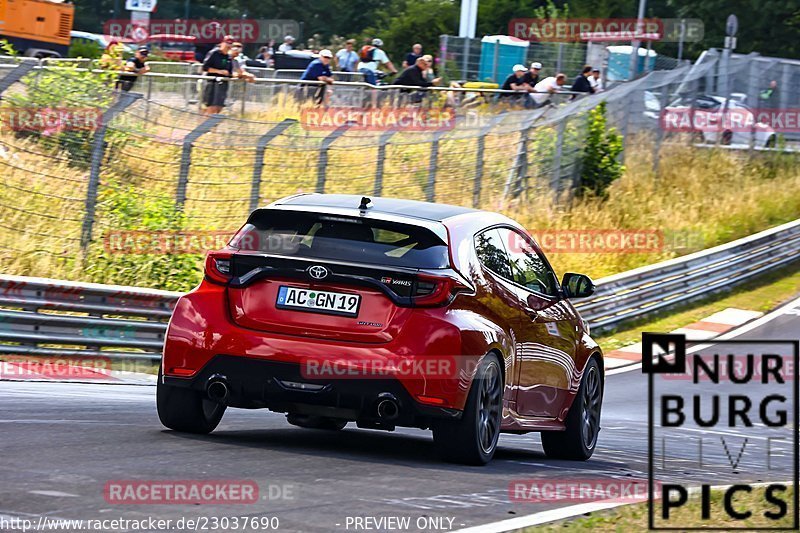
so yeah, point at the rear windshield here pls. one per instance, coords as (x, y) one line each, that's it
(319, 236)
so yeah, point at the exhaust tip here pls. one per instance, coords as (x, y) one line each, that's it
(388, 406)
(217, 389)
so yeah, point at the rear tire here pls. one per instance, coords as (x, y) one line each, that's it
(316, 422)
(473, 439)
(578, 441)
(187, 410)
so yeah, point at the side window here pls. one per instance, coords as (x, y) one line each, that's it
(528, 268)
(492, 252)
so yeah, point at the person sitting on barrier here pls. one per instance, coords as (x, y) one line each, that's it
(414, 76)
(347, 58)
(319, 70)
(372, 59)
(516, 82)
(134, 68)
(218, 64)
(547, 87)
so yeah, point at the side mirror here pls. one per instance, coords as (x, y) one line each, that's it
(577, 285)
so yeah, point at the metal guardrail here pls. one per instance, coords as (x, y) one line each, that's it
(43, 317)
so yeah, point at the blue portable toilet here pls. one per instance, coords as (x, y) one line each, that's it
(509, 51)
(619, 62)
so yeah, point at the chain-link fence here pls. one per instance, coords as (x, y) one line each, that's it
(62, 195)
(64, 192)
(464, 58)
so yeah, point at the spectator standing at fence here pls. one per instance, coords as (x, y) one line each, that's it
(319, 70)
(429, 74)
(415, 76)
(516, 82)
(372, 58)
(239, 63)
(287, 45)
(217, 64)
(347, 58)
(412, 56)
(768, 96)
(594, 79)
(547, 87)
(581, 83)
(532, 76)
(133, 68)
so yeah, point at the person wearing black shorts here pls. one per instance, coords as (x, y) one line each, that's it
(217, 64)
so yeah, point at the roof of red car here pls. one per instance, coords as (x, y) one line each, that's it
(393, 206)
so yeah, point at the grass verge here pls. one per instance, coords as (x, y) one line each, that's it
(634, 517)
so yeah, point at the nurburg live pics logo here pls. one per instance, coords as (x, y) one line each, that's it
(735, 416)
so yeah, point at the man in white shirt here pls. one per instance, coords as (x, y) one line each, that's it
(542, 90)
(347, 58)
(595, 81)
(370, 66)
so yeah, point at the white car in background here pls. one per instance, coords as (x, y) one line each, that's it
(731, 123)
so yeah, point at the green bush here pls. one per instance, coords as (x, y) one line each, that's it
(122, 208)
(600, 165)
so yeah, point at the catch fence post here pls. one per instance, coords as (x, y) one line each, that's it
(258, 165)
(479, 162)
(556, 176)
(381, 161)
(433, 163)
(186, 156)
(98, 148)
(322, 165)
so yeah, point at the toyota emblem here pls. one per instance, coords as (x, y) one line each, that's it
(317, 272)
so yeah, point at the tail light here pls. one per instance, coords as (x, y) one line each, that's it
(219, 267)
(435, 291)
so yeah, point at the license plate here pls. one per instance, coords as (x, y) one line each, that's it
(336, 303)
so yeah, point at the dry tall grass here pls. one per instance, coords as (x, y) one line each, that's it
(699, 199)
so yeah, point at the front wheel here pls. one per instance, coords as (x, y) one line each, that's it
(184, 409)
(577, 442)
(473, 439)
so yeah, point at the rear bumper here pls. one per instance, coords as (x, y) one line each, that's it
(282, 387)
(203, 340)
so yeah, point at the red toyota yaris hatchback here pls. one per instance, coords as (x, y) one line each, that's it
(387, 312)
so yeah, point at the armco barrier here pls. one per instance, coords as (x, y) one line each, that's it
(50, 317)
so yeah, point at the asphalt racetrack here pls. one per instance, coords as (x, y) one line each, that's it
(63, 442)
